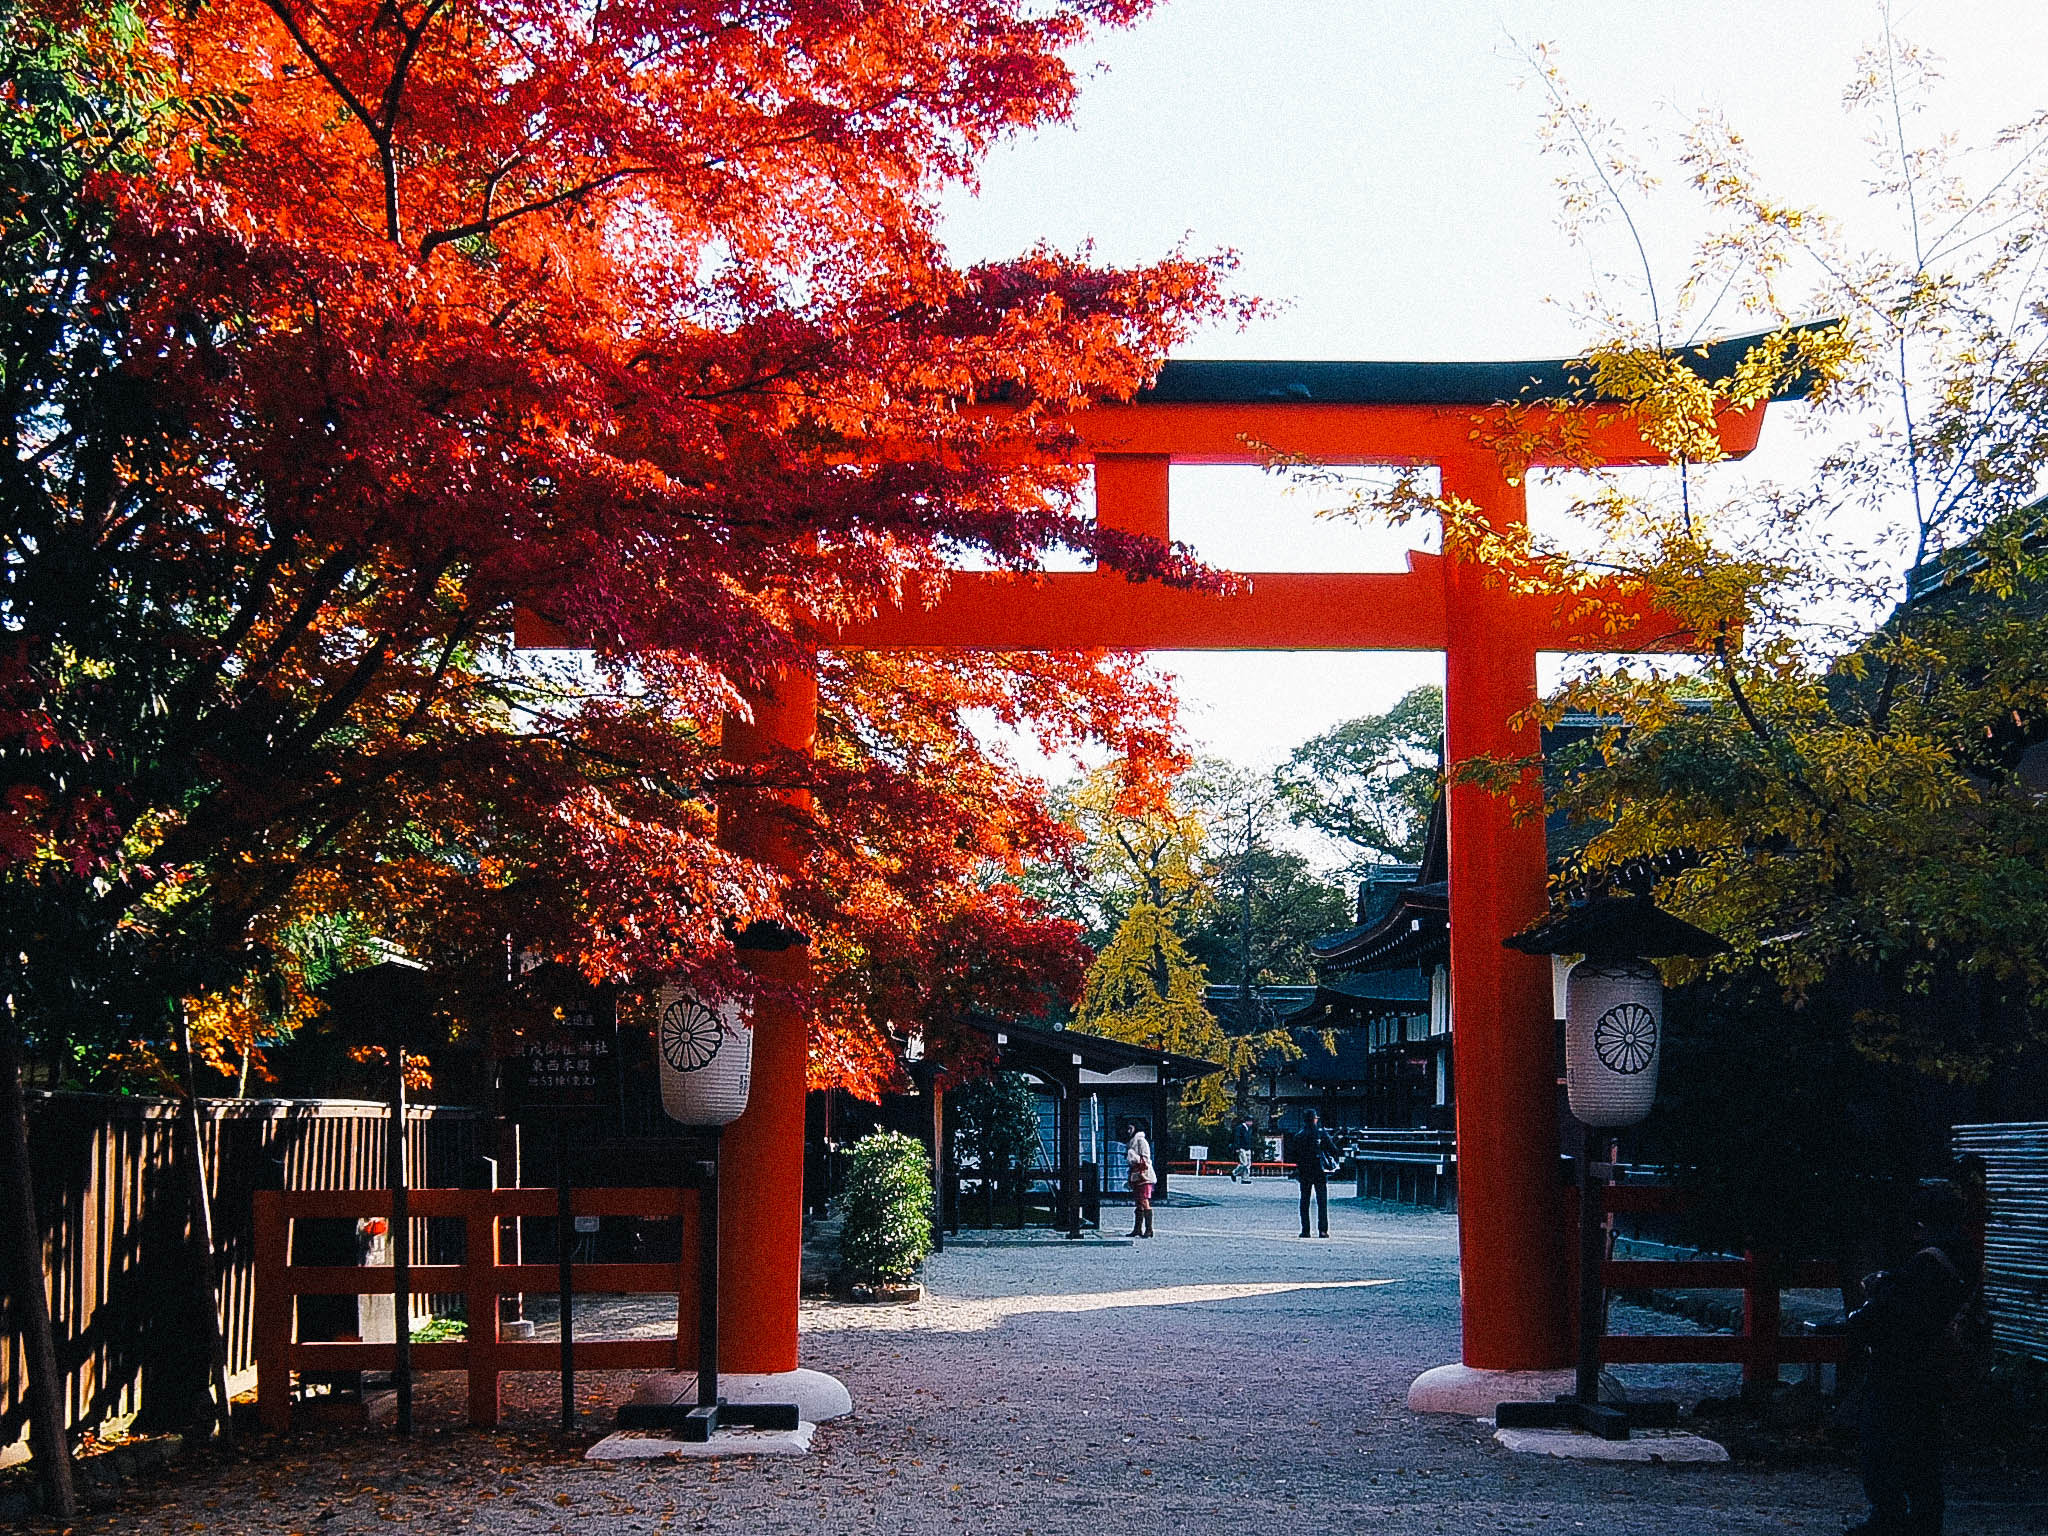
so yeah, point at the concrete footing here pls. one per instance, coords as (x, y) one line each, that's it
(1476, 1393)
(817, 1397)
(655, 1444)
(1644, 1445)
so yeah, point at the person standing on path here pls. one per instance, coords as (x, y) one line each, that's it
(1242, 1138)
(1906, 1325)
(1138, 1159)
(1313, 1151)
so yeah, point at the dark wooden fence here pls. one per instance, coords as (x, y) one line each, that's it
(115, 1220)
(1414, 1167)
(1029, 1198)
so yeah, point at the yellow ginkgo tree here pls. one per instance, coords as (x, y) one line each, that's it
(1147, 868)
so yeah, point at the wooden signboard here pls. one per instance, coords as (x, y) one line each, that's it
(564, 1062)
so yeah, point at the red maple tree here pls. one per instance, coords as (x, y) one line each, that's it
(636, 316)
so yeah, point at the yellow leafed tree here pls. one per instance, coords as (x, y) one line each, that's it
(1147, 989)
(1149, 874)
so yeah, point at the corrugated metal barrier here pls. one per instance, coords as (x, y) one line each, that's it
(2015, 1230)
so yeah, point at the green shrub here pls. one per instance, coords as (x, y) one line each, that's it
(888, 1205)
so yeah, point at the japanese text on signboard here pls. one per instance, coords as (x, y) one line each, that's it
(569, 1064)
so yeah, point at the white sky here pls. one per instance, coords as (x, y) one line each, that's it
(1374, 164)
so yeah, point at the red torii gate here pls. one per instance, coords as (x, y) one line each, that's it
(1410, 414)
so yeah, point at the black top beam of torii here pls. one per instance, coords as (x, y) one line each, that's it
(1258, 381)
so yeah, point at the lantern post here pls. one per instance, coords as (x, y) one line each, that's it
(1613, 1030)
(706, 1051)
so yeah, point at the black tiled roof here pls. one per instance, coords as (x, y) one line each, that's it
(1025, 1045)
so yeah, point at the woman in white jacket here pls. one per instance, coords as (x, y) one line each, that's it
(1141, 1178)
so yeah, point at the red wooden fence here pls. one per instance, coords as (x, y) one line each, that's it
(1759, 1349)
(480, 1279)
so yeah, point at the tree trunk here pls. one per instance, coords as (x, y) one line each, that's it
(206, 1268)
(49, 1435)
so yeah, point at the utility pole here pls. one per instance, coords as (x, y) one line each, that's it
(1244, 933)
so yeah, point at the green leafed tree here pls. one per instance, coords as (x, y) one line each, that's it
(1368, 783)
(1845, 782)
(1272, 904)
(1268, 905)
(995, 1122)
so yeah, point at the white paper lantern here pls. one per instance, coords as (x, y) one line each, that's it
(707, 1057)
(1613, 1038)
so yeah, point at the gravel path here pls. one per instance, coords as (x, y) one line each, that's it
(1226, 1373)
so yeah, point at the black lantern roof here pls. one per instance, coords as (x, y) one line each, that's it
(1614, 927)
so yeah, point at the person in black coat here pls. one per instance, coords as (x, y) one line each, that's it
(1904, 1327)
(1307, 1150)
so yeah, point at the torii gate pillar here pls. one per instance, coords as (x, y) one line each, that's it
(1510, 1206)
(761, 1186)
